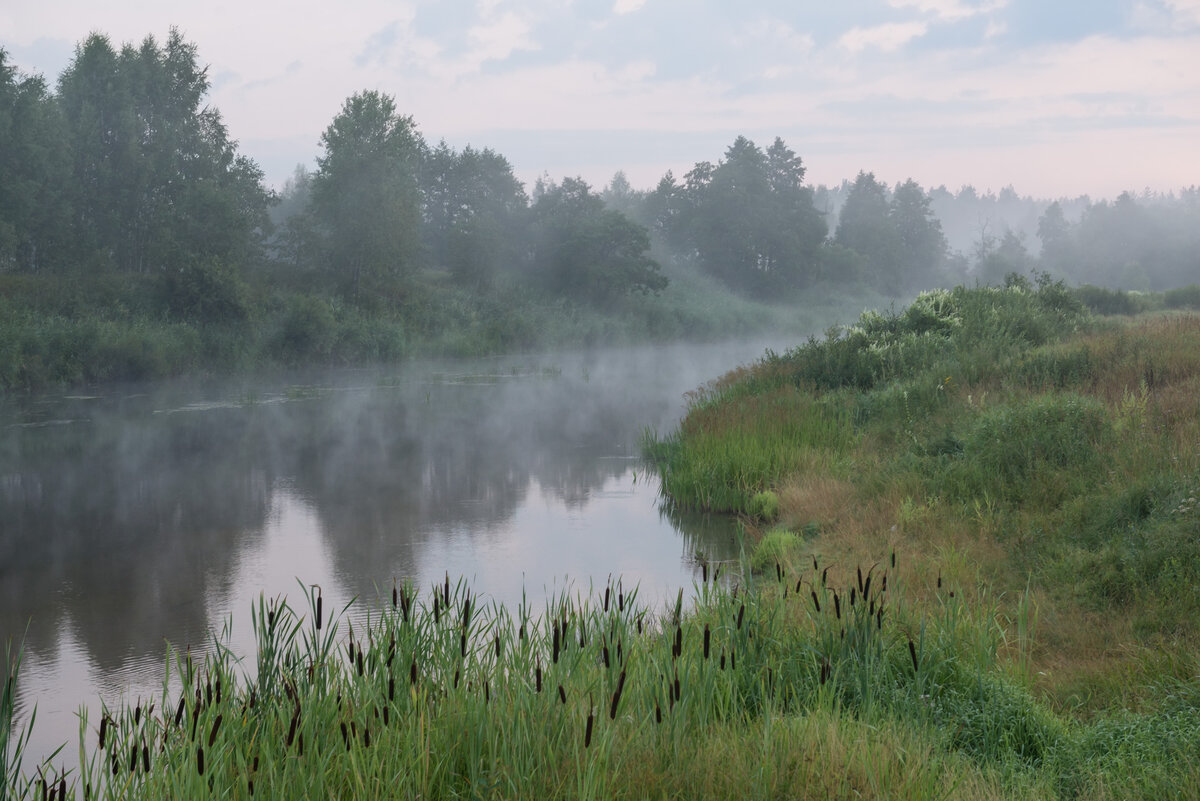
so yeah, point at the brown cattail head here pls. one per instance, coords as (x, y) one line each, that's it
(104, 729)
(837, 605)
(612, 712)
(816, 603)
(538, 674)
(562, 694)
(912, 652)
(212, 734)
(707, 638)
(587, 733)
(741, 614)
(200, 760)
(394, 598)
(318, 609)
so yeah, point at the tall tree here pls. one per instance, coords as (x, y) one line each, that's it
(582, 249)
(33, 174)
(365, 195)
(919, 241)
(474, 212)
(157, 180)
(865, 226)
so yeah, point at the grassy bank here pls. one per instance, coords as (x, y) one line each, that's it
(1015, 445)
(57, 331)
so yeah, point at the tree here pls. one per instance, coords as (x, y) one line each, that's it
(750, 219)
(587, 251)
(33, 175)
(474, 212)
(156, 179)
(920, 245)
(865, 226)
(365, 196)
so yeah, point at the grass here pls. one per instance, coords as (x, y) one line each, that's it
(1021, 448)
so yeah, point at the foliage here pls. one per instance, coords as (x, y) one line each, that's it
(365, 195)
(583, 250)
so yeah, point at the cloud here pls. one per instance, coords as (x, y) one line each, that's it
(949, 9)
(887, 37)
(627, 6)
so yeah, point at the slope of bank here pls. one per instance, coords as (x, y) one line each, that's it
(1040, 460)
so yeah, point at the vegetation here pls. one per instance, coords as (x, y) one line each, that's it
(976, 574)
(1023, 452)
(136, 242)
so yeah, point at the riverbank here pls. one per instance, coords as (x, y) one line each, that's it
(63, 332)
(1039, 460)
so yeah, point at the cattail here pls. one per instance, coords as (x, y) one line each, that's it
(604, 651)
(133, 755)
(824, 575)
(366, 736)
(345, 736)
(799, 583)
(538, 675)
(741, 614)
(587, 732)
(837, 605)
(883, 585)
(497, 647)
(814, 564)
(704, 572)
(612, 712)
(852, 596)
(218, 692)
(716, 573)
(466, 621)
(291, 735)
(879, 619)
(607, 590)
(733, 657)
(562, 694)
(115, 766)
(300, 744)
(104, 728)
(62, 787)
(391, 688)
(183, 699)
(208, 690)
(893, 560)
(678, 640)
(200, 760)
(816, 603)
(385, 715)
(707, 638)
(359, 661)
(554, 657)
(657, 713)
(621, 601)
(137, 714)
(447, 589)
(778, 572)
(912, 651)
(212, 735)
(676, 685)
(412, 672)
(462, 644)
(860, 579)
(318, 609)
(437, 614)
(456, 678)
(521, 632)
(867, 586)
(722, 659)
(394, 598)
(487, 693)
(195, 721)
(939, 580)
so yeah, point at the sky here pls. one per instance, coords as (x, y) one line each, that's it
(1056, 98)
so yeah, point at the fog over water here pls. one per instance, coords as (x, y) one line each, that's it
(141, 515)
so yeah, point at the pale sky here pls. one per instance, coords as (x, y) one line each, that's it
(1056, 98)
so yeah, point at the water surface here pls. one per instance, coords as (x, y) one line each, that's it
(136, 516)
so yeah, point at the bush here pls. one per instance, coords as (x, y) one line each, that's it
(764, 506)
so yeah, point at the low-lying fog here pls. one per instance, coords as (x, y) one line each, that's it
(151, 514)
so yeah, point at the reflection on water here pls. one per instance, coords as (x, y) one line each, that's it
(140, 516)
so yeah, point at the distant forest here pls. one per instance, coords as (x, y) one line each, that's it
(125, 205)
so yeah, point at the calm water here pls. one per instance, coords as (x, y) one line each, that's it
(142, 515)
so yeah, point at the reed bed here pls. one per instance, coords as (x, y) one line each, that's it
(439, 695)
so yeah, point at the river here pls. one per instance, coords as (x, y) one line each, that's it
(134, 516)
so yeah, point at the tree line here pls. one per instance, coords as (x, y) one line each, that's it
(122, 169)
